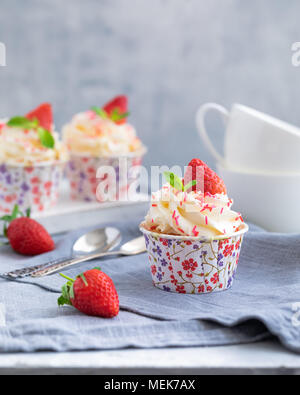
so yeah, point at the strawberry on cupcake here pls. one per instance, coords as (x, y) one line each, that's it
(193, 236)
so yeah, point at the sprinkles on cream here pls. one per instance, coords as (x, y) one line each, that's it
(89, 134)
(192, 214)
(23, 147)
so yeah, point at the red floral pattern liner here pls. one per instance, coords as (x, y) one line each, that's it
(193, 267)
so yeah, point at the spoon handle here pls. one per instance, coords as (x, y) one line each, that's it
(57, 266)
(28, 271)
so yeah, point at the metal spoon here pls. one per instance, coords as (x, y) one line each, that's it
(134, 247)
(88, 245)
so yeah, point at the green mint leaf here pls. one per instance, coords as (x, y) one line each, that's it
(99, 111)
(124, 115)
(46, 138)
(117, 116)
(22, 122)
(174, 181)
(190, 185)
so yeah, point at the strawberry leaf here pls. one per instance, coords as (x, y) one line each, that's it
(67, 291)
(64, 298)
(7, 219)
(15, 212)
(83, 279)
(61, 301)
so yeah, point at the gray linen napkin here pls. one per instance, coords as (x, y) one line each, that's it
(264, 301)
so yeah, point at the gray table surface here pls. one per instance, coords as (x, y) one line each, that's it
(262, 358)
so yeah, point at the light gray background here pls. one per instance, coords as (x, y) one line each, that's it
(169, 56)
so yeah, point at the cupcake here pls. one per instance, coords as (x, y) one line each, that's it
(192, 236)
(32, 159)
(101, 138)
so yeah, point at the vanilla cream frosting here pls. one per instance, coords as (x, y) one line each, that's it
(89, 134)
(191, 214)
(23, 147)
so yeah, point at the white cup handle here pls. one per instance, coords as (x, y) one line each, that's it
(200, 122)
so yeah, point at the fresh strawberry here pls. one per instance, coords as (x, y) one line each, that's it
(207, 180)
(44, 115)
(25, 235)
(92, 293)
(117, 106)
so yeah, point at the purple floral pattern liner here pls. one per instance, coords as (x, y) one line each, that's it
(82, 173)
(34, 187)
(193, 266)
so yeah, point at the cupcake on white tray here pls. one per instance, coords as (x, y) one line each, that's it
(98, 138)
(193, 237)
(32, 160)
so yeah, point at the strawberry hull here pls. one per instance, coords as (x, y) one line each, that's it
(35, 187)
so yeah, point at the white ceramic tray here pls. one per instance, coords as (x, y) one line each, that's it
(68, 206)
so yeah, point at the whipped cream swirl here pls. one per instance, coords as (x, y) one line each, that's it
(23, 147)
(192, 214)
(89, 134)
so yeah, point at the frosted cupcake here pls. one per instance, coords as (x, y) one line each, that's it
(32, 159)
(98, 138)
(192, 235)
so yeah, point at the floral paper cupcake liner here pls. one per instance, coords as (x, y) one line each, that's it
(82, 174)
(193, 266)
(35, 187)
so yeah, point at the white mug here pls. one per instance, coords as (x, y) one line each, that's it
(254, 142)
(268, 200)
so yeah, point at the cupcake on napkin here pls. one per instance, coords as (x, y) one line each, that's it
(192, 235)
(97, 138)
(32, 159)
